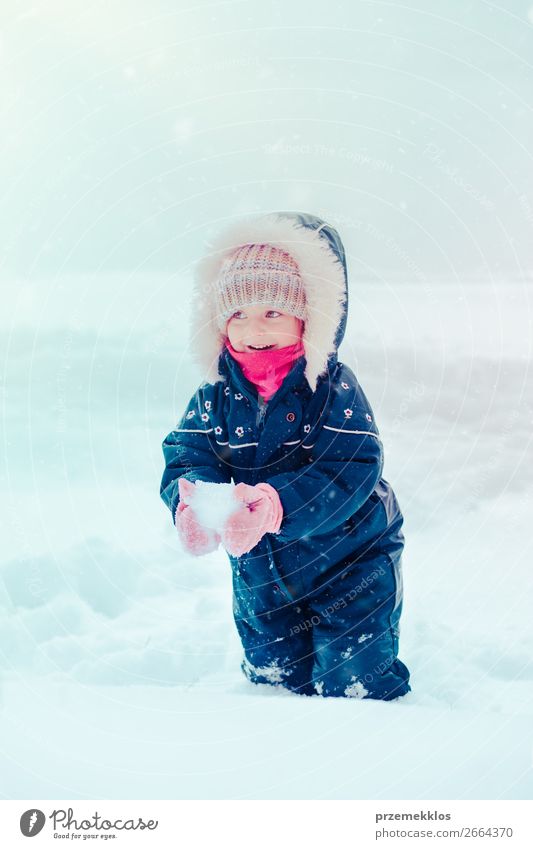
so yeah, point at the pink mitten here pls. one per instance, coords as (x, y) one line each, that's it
(261, 512)
(194, 538)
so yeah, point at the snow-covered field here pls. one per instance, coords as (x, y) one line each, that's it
(119, 661)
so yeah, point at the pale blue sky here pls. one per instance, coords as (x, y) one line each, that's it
(130, 131)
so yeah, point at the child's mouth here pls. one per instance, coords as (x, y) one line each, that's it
(260, 347)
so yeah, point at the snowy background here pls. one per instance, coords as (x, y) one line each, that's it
(127, 139)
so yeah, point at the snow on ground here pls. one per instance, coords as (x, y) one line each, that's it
(119, 661)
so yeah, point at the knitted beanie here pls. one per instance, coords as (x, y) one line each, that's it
(258, 274)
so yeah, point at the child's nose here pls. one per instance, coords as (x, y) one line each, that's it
(258, 325)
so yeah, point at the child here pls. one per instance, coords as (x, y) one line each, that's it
(316, 547)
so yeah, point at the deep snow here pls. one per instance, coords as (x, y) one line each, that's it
(119, 659)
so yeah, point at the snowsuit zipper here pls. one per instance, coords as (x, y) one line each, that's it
(259, 422)
(260, 418)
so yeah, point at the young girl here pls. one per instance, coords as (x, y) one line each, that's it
(316, 546)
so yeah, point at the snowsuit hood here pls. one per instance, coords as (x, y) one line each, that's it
(317, 248)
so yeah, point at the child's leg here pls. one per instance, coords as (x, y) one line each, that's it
(355, 638)
(278, 648)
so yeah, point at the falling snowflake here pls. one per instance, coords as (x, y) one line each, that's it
(348, 653)
(183, 129)
(319, 687)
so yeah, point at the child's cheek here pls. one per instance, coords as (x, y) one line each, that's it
(233, 335)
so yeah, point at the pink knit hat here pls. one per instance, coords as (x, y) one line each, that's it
(259, 274)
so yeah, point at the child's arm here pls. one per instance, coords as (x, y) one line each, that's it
(191, 452)
(346, 464)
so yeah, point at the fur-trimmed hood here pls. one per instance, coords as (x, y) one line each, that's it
(317, 248)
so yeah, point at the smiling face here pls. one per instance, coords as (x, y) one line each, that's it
(262, 327)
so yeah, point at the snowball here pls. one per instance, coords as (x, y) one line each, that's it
(213, 503)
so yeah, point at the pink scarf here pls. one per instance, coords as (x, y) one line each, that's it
(267, 369)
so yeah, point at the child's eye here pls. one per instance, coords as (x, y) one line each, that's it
(274, 312)
(237, 314)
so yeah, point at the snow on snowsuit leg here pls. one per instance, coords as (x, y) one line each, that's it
(341, 641)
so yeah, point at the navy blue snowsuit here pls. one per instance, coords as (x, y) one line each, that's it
(317, 606)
